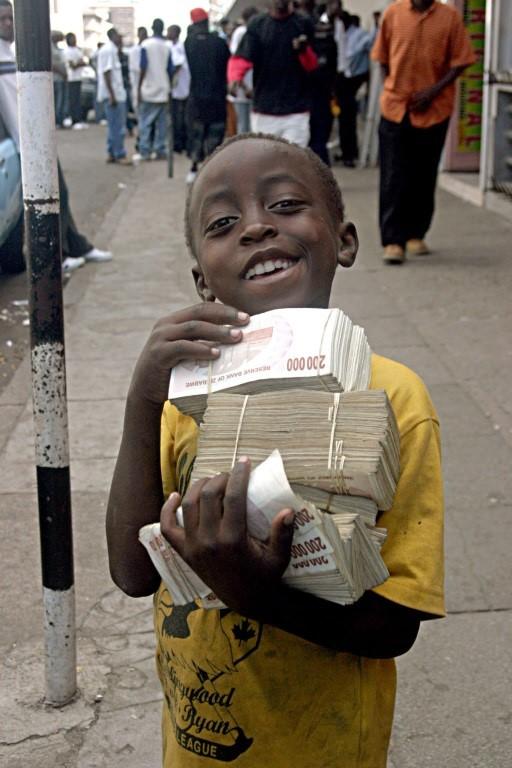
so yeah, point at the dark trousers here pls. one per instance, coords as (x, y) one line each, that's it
(346, 90)
(204, 138)
(73, 243)
(75, 108)
(320, 124)
(409, 159)
(60, 92)
(179, 124)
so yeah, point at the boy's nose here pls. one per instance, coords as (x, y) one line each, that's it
(256, 232)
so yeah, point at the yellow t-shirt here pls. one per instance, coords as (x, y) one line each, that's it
(239, 691)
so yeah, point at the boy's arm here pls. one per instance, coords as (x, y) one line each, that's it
(246, 574)
(136, 493)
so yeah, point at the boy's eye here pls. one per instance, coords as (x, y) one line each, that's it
(287, 204)
(218, 224)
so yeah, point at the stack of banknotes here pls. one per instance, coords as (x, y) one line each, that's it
(343, 443)
(313, 349)
(334, 556)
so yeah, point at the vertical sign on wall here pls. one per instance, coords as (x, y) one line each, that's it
(463, 146)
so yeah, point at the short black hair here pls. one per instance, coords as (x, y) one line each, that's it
(249, 12)
(329, 184)
(158, 26)
(112, 32)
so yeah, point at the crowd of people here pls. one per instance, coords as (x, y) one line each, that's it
(221, 82)
(292, 71)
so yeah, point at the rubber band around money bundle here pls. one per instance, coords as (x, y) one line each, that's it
(239, 429)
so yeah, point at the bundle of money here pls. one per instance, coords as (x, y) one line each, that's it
(342, 443)
(318, 349)
(335, 557)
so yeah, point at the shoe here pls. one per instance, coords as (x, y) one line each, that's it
(138, 158)
(190, 177)
(103, 122)
(123, 161)
(417, 247)
(79, 127)
(160, 157)
(110, 159)
(349, 163)
(71, 263)
(393, 254)
(96, 255)
(67, 122)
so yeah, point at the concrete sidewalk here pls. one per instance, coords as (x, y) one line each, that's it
(448, 316)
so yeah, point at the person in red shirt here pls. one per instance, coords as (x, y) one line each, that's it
(423, 47)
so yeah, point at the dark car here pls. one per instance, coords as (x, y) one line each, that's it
(12, 259)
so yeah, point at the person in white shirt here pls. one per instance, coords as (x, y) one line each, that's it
(74, 63)
(242, 94)
(156, 71)
(76, 249)
(112, 93)
(134, 64)
(180, 88)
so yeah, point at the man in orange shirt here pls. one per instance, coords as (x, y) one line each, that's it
(423, 47)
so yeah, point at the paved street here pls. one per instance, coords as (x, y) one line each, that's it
(448, 316)
(93, 188)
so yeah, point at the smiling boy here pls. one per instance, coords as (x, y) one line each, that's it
(280, 676)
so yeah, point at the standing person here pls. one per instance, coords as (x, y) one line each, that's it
(180, 88)
(60, 77)
(134, 64)
(156, 70)
(207, 56)
(278, 45)
(335, 15)
(125, 71)
(323, 82)
(75, 63)
(76, 248)
(279, 677)
(423, 47)
(112, 93)
(357, 50)
(241, 95)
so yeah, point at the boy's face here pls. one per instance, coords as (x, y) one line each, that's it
(264, 235)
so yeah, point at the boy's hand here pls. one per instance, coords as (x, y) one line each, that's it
(190, 334)
(239, 569)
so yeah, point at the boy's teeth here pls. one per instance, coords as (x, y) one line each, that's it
(267, 267)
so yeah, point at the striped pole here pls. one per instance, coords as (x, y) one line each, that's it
(42, 223)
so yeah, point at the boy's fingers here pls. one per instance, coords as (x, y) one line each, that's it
(169, 525)
(235, 500)
(211, 506)
(190, 506)
(211, 312)
(281, 535)
(200, 329)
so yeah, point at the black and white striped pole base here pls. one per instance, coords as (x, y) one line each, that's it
(41, 198)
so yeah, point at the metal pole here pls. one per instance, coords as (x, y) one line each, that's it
(170, 141)
(42, 223)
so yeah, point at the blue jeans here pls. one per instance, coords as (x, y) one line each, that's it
(153, 114)
(60, 92)
(116, 119)
(243, 116)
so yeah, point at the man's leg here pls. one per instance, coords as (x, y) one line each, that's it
(146, 117)
(75, 109)
(58, 92)
(161, 126)
(214, 136)
(393, 182)
(177, 126)
(119, 130)
(74, 244)
(109, 114)
(320, 125)
(426, 146)
(296, 128)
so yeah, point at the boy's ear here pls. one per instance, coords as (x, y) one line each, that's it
(349, 244)
(202, 289)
